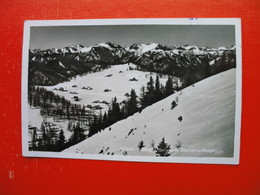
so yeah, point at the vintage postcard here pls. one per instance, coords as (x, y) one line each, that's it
(148, 90)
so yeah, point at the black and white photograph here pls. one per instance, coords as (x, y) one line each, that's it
(148, 90)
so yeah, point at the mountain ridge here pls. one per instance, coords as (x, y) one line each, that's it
(181, 61)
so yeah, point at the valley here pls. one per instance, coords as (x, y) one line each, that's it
(96, 90)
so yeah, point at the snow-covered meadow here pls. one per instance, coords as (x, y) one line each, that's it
(95, 88)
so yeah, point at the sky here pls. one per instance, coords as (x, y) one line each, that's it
(125, 35)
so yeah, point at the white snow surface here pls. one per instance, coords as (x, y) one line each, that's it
(191, 47)
(222, 48)
(144, 47)
(118, 83)
(104, 45)
(85, 49)
(148, 47)
(207, 128)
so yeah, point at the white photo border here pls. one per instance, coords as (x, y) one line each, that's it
(105, 22)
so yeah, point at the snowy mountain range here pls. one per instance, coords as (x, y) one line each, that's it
(52, 66)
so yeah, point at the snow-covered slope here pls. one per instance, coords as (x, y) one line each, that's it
(85, 49)
(142, 48)
(201, 125)
(104, 45)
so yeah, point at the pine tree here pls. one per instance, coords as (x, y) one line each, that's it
(93, 127)
(78, 134)
(68, 110)
(109, 115)
(168, 87)
(45, 136)
(114, 113)
(150, 91)
(61, 141)
(174, 104)
(122, 112)
(105, 120)
(132, 104)
(157, 83)
(150, 87)
(100, 122)
(158, 95)
(143, 97)
(163, 149)
(141, 145)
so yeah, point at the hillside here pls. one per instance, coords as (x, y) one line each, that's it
(202, 124)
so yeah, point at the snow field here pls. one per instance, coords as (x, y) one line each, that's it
(118, 83)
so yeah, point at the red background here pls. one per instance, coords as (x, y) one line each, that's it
(19, 175)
